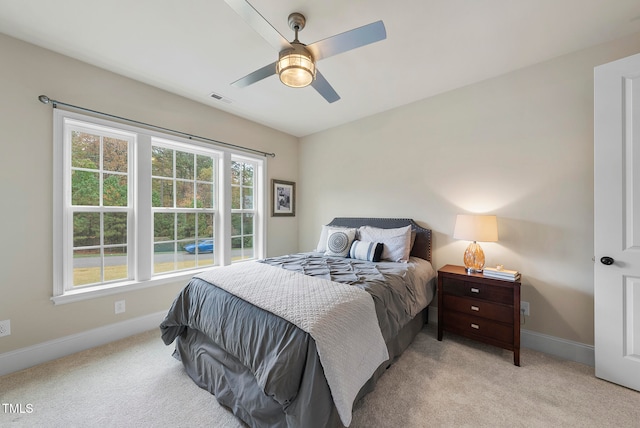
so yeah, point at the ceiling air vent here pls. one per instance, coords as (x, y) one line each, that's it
(219, 98)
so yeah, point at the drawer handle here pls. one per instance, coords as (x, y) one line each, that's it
(475, 308)
(476, 326)
(475, 290)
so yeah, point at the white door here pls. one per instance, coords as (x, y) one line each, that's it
(617, 221)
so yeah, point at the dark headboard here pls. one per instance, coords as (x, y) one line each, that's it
(422, 245)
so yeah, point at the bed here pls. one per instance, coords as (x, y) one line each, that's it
(270, 365)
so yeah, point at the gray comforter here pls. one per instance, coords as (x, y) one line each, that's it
(266, 369)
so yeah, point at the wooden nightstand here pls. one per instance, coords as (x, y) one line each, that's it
(480, 308)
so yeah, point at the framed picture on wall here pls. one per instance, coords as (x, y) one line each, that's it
(284, 198)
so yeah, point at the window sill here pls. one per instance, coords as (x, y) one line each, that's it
(121, 287)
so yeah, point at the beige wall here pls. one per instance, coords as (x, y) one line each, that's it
(519, 146)
(26, 171)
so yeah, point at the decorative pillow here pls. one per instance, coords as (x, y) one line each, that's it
(322, 242)
(363, 250)
(397, 242)
(339, 241)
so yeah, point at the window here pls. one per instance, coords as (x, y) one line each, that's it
(135, 208)
(183, 200)
(99, 203)
(243, 211)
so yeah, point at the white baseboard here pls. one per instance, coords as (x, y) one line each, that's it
(563, 348)
(37, 354)
(23, 358)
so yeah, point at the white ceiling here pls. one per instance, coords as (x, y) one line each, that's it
(196, 47)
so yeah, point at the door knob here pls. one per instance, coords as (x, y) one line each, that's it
(606, 260)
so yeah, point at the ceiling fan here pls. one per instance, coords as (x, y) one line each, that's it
(296, 64)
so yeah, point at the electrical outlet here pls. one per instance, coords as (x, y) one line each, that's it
(524, 308)
(120, 306)
(5, 328)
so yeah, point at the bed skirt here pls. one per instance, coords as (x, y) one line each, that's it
(235, 387)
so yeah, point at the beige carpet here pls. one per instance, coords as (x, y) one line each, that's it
(136, 383)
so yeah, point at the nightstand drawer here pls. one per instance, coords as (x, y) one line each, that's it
(480, 308)
(465, 324)
(478, 290)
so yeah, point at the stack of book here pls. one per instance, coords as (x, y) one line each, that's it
(507, 275)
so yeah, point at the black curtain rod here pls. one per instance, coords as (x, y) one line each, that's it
(46, 100)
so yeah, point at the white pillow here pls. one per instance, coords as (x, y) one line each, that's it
(322, 242)
(397, 242)
(339, 241)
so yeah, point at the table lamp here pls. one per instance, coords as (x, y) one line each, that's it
(475, 228)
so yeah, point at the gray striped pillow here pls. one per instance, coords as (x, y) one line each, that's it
(363, 250)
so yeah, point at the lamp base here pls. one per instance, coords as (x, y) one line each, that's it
(474, 258)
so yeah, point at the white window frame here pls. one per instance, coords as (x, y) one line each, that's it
(140, 232)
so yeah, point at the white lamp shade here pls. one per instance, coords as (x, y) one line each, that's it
(483, 228)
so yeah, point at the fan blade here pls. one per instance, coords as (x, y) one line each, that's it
(256, 76)
(259, 24)
(323, 87)
(348, 40)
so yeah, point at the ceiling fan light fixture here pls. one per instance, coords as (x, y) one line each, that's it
(296, 67)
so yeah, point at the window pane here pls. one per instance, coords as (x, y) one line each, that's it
(85, 188)
(247, 224)
(205, 259)
(236, 224)
(247, 247)
(162, 193)
(184, 194)
(163, 257)
(236, 171)
(86, 267)
(186, 261)
(115, 264)
(205, 225)
(162, 162)
(236, 243)
(186, 223)
(115, 155)
(235, 198)
(204, 168)
(115, 228)
(204, 197)
(114, 190)
(85, 150)
(86, 229)
(163, 227)
(185, 165)
(247, 175)
(247, 198)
